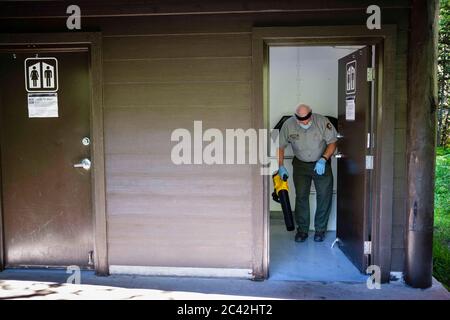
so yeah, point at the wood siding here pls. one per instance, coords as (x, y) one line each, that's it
(164, 72)
(189, 215)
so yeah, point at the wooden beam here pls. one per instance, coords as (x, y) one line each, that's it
(421, 140)
(55, 9)
(98, 157)
(2, 248)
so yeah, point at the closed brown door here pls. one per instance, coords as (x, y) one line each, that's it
(46, 200)
(353, 221)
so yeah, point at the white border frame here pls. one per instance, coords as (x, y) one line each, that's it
(56, 72)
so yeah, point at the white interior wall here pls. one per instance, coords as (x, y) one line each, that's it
(304, 75)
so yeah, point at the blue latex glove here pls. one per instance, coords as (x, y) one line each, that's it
(320, 166)
(282, 172)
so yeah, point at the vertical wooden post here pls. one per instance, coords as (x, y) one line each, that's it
(421, 141)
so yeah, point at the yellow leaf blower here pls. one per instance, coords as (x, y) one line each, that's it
(281, 195)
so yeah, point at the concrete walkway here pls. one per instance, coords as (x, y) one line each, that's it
(46, 284)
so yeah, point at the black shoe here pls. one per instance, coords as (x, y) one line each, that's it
(319, 236)
(301, 236)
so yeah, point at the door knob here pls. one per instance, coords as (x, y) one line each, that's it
(85, 164)
(339, 155)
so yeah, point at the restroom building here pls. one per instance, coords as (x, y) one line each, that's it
(86, 117)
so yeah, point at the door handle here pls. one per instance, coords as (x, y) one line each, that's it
(338, 155)
(85, 164)
(339, 136)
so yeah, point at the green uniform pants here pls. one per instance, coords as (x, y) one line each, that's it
(303, 175)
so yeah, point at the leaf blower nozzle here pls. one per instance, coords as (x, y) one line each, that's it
(281, 195)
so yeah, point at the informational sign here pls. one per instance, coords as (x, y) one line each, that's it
(350, 109)
(43, 105)
(41, 74)
(351, 77)
(41, 82)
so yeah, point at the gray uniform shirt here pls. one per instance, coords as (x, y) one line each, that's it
(308, 144)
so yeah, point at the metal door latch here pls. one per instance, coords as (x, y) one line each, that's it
(367, 247)
(369, 162)
(85, 164)
(86, 141)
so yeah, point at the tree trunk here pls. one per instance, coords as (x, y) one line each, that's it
(421, 142)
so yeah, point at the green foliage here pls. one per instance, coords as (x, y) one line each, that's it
(440, 151)
(443, 111)
(442, 185)
(441, 243)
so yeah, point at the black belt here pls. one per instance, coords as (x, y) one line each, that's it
(309, 162)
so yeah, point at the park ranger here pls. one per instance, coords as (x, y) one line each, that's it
(313, 140)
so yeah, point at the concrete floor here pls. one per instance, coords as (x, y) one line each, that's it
(308, 261)
(51, 284)
(293, 267)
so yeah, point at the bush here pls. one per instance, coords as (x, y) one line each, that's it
(441, 243)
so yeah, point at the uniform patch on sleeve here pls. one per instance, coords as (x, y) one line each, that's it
(329, 126)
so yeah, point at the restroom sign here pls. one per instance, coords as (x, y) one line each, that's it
(41, 74)
(351, 77)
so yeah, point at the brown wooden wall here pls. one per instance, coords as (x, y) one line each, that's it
(190, 216)
(164, 72)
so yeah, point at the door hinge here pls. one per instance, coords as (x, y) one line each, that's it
(91, 258)
(369, 162)
(370, 74)
(367, 247)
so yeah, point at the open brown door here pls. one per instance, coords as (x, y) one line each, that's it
(354, 160)
(46, 199)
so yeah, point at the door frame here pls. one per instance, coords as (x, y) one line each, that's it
(92, 41)
(383, 177)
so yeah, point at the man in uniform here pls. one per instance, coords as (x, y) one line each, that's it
(313, 140)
